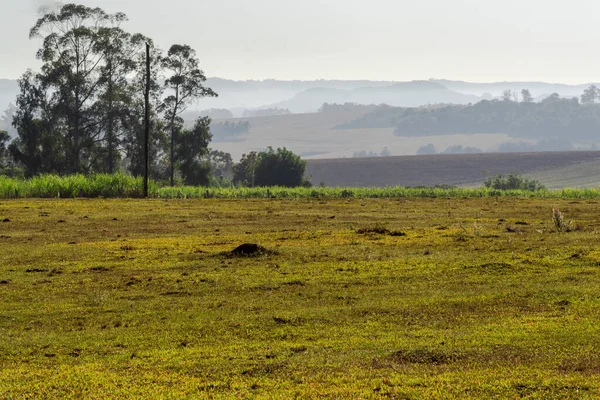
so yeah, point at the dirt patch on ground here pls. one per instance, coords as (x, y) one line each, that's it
(586, 364)
(378, 230)
(497, 267)
(250, 250)
(423, 356)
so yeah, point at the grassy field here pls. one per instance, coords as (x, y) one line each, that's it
(353, 298)
(317, 135)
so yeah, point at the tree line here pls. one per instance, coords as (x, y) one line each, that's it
(516, 114)
(553, 117)
(83, 111)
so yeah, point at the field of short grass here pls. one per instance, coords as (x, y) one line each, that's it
(354, 298)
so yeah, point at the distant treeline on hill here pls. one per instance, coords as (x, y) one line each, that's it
(269, 112)
(553, 117)
(229, 131)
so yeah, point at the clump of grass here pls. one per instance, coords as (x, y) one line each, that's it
(461, 236)
(560, 223)
(464, 234)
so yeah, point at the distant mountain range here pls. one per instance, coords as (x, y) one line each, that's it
(309, 96)
(405, 94)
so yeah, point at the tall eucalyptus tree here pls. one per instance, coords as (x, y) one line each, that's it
(184, 85)
(84, 110)
(73, 73)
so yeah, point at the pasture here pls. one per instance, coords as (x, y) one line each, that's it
(320, 136)
(353, 298)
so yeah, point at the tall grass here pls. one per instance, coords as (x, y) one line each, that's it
(122, 185)
(53, 186)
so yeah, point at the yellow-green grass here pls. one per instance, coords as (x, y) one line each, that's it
(481, 298)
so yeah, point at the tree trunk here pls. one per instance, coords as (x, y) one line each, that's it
(147, 122)
(76, 139)
(110, 132)
(172, 158)
(173, 116)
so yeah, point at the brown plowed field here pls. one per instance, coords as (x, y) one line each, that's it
(460, 169)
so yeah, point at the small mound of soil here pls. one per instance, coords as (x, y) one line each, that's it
(249, 249)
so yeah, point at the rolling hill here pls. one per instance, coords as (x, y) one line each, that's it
(318, 135)
(554, 169)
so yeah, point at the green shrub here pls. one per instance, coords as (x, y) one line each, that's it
(279, 167)
(512, 182)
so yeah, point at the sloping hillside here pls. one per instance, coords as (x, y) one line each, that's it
(318, 135)
(581, 175)
(463, 169)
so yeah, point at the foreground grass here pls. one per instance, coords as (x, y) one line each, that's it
(128, 298)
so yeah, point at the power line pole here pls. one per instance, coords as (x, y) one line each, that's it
(147, 122)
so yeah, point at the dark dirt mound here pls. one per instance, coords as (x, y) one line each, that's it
(249, 249)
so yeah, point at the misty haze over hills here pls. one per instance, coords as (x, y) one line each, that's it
(8, 92)
(309, 96)
(537, 89)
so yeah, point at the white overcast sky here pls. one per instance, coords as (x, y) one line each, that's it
(475, 40)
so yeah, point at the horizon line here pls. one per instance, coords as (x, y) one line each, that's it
(486, 82)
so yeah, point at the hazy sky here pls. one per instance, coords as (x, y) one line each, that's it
(476, 40)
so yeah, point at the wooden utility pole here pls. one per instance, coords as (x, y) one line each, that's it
(147, 122)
